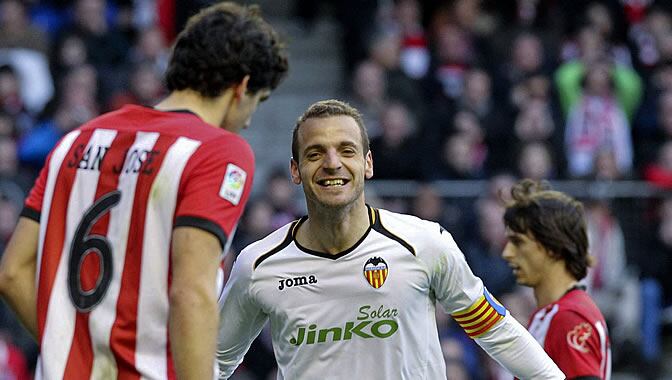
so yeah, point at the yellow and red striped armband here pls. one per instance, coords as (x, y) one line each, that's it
(481, 316)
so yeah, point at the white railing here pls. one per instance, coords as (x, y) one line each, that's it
(476, 188)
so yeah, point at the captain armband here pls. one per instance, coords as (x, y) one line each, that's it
(481, 316)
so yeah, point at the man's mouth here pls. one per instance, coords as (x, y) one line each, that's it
(332, 182)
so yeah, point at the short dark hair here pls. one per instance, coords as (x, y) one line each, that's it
(554, 219)
(220, 46)
(328, 108)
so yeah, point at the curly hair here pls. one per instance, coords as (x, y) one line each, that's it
(220, 46)
(554, 219)
(329, 108)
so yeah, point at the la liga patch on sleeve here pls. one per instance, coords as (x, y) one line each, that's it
(233, 184)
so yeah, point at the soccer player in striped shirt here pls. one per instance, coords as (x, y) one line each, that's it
(548, 250)
(113, 264)
(350, 290)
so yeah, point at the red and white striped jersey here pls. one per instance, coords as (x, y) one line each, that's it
(573, 332)
(107, 200)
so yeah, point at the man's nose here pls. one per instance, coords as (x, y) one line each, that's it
(332, 160)
(507, 253)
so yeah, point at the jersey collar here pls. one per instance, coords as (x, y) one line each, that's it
(338, 255)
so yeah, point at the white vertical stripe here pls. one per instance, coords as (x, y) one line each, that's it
(38, 369)
(103, 316)
(57, 158)
(605, 363)
(150, 354)
(541, 321)
(60, 324)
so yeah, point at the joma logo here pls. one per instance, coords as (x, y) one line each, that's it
(297, 281)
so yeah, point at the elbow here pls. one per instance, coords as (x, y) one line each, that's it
(187, 298)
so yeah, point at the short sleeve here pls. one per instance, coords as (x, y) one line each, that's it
(216, 186)
(574, 344)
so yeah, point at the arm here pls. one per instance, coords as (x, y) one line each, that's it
(242, 319)
(193, 315)
(512, 346)
(463, 295)
(17, 273)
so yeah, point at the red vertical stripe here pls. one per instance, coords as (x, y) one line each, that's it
(123, 335)
(169, 358)
(54, 238)
(80, 360)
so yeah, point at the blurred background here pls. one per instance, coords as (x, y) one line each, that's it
(460, 97)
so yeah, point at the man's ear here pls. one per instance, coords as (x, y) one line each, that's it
(294, 170)
(368, 167)
(241, 88)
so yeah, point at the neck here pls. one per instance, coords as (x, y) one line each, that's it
(332, 230)
(211, 110)
(557, 281)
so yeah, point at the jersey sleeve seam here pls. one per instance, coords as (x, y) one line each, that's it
(31, 213)
(203, 224)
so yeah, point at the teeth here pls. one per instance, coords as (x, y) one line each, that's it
(333, 182)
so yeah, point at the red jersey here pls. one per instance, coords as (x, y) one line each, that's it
(107, 200)
(573, 332)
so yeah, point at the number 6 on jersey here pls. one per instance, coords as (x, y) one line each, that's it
(84, 244)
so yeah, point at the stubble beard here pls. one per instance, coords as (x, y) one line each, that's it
(325, 204)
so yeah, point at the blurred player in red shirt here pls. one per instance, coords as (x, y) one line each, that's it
(114, 262)
(547, 249)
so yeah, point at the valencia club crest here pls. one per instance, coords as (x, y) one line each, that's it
(375, 271)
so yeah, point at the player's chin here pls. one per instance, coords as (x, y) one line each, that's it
(522, 281)
(334, 201)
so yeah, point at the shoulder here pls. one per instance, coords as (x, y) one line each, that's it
(179, 124)
(578, 315)
(219, 143)
(419, 234)
(578, 302)
(256, 253)
(222, 153)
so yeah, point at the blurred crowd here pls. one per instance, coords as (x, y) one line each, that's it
(460, 89)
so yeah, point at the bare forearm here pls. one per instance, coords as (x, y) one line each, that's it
(193, 334)
(194, 313)
(22, 299)
(17, 273)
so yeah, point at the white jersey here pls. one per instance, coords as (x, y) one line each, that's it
(367, 312)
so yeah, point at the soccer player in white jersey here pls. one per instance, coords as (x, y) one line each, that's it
(350, 290)
(113, 264)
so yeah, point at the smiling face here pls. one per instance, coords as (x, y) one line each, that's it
(332, 165)
(527, 258)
